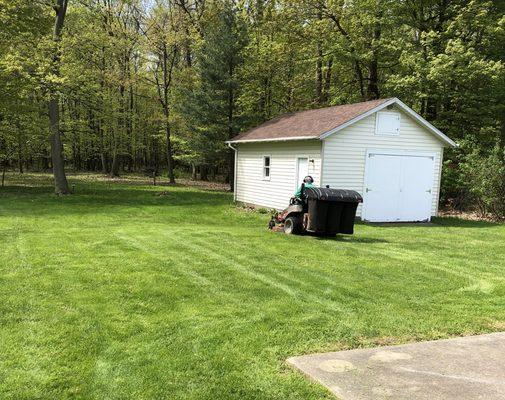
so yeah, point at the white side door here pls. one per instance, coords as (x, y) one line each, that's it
(398, 187)
(302, 170)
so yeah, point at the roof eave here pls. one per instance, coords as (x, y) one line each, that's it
(283, 139)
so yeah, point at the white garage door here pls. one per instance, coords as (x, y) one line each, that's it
(398, 187)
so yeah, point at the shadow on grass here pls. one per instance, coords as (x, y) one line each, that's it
(437, 222)
(99, 197)
(349, 239)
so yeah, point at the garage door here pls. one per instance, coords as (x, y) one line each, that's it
(398, 187)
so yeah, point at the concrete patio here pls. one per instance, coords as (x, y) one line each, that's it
(455, 369)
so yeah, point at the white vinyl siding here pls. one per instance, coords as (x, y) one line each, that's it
(344, 152)
(252, 188)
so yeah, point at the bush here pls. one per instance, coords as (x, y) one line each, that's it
(454, 192)
(484, 179)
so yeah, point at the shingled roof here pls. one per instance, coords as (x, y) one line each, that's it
(309, 123)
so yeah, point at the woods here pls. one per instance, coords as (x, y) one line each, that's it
(158, 86)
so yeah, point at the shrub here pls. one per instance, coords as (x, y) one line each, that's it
(454, 192)
(484, 180)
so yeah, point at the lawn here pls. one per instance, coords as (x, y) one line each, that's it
(119, 292)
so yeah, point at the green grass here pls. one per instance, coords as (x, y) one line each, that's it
(116, 292)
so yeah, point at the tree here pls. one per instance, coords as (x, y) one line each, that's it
(212, 106)
(60, 179)
(132, 83)
(164, 43)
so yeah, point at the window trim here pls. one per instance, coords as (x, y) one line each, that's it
(264, 167)
(396, 113)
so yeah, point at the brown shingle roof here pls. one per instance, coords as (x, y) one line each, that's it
(309, 123)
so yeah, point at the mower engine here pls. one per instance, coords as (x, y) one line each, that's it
(278, 220)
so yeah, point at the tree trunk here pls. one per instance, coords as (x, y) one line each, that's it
(373, 77)
(4, 168)
(20, 163)
(122, 124)
(114, 169)
(103, 158)
(319, 63)
(204, 173)
(373, 67)
(155, 155)
(170, 160)
(20, 149)
(163, 92)
(45, 163)
(502, 131)
(103, 163)
(193, 172)
(60, 179)
(327, 80)
(231, 133)
(319, 74)
(352, 50)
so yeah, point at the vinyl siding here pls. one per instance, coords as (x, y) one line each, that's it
(344, 153)
(250, 187)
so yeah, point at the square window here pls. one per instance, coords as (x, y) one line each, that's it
(387, 123)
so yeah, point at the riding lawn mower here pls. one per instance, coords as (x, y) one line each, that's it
(321, 211)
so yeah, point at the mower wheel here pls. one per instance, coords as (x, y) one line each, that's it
(292, 225)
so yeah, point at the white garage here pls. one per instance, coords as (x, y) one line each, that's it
(380, 148)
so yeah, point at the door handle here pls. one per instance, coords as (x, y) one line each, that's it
(368, 190)
(428, 191)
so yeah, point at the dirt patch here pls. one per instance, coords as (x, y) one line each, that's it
(44, 179)
(466, 215)
(498, 325)
(204, 185)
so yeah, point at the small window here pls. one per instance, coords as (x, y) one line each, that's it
(266, 167)
(387, 123)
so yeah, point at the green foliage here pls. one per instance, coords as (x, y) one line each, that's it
(232, 65)
(210, 107)
(474, 180)
(484, 176)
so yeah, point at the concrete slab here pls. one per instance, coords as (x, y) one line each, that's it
(464, 368)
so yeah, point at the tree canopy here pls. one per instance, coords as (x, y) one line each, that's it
(159, 85)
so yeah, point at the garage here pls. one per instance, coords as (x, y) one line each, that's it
(381, 149)
(398, 186)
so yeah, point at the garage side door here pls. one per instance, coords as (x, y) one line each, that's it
(398, 187)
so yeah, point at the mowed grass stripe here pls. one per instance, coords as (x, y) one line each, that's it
(240, 263)
(180, 262)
